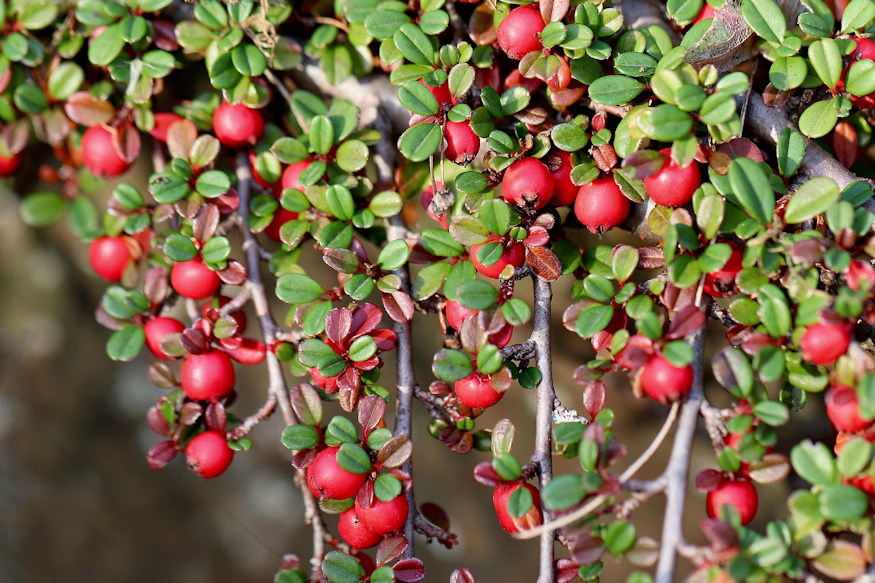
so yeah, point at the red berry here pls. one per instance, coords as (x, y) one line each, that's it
(194, 280)
(156, 329)
(706, 12)
(865, 50)
(292, 173)
(280, 218)
(601, 205)
(207, 377)
(527, 183)
(441, 93)
(721, 283)
(861, 275)
(163, 121)
(664, 382)
(327, 479)
(99, 152)
(208, 454)
(9, 165)
(384, 517)
(327, 384)
(476, 391)
(354, 532)
(824, 343)
(673, 185)
(237, 126)
(514, 253)
(530, 519)
(462, 143)
(564, 191)
(456, 315)
(843, 409)
(517, 33)
(109, 257)
(739, 493)
(516, 79)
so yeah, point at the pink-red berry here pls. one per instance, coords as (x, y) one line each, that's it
(237, 126)
(354, 532)
(109, 257)
(208, 454)
(513, 253)
(733, 492)
(384, 517)
(721, 283)
(476, 391)
(194, 280)
(100, 154)
(564, 190)
(518, 32)
(163, 121)
(527, 183)
(8, 165)
(600, 205)
(664, 382)
(843, 409)
(462, 143)
(673, 185)
(327, 479)
(823, 343)
(532, 518)
(207, 377)
(156, 330)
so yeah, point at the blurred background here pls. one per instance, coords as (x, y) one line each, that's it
(78, 502)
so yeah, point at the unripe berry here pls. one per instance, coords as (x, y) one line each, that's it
(354, 532)
(514, 253)
(517, 33)
(462, 143)
(476, 391)
(527, 183)
(739, 493)
(194, 280)
(109, 257)
(9, 165)
(327, 479)
(384, 517)
(664, 382)
(843, 409)
(601, 205)
(156, 329)
(564, 190)
(673, 185)
(237, 126)
(99, 153)
(721, 283)
(824, 343)
(207, 377)
(208, 454)
(530, 519)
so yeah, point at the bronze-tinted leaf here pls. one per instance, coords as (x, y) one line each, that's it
(216, 416)
(688, 320)
(544, 263)
(157, 422)
(161, 376)
(436, 515)
(194, 341)
(126, 142)
(481, 28)
(338, 324)
(594, 393)
(844, 143)
(370, 412)
(720, 534)
(465, 576)
(306, 404)
(707, 480)
(155, 286)
(205, 223)
(774, 467)
(485, 474)
(843, 561)
(190, 412)
(161, 454)
(390, 549)
(554, 10)
(409, 570)
(395, 452)
(741, 148)
(399, 306)
(87, 110)
(180, 138)
(234, 273)
(651, 257)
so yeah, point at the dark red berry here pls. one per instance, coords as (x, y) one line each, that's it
(207, 377)
(8, 165)
(354, 532)
(517, 33)
(564, 190)
(237, 126)
(208, 454)
(664, 382)
(109, 257)
(194, 280)
(327, 479)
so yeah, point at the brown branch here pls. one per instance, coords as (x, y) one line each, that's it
(250, 422)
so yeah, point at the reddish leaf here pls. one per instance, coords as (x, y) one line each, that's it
(720, 534)
(349, 383)
(234, 274)
(537, 237)
(409, 570)
(14, 136)
(87, 110)
(365, 318)
(544, 263)
(194, 341)
(645, 162)
(651, 258)
(773, 468)
(216, 416)
(161, 454)
(844, 143)
(157, 422)
(594, 397)
(568, 96)
(774, 97)
(843, 561)
(605, 157)
(395, 452)
(586, 548)
(688, 320)
(385, 338)
(302, 459)
(741, 148)
(338, 324)
(707, 480)
(463, 576)
(481, 28)
(485, 474)
(126, 141)
(554, 10)
(306, 404)
(189, 413)
(249, 351)
(390, 549)
(436, 515)
(161, 376)
(370, 412)
(155, 286)
(205, 223)
(399, 306)
(181, 137)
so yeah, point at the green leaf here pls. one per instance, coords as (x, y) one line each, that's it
(321, 134)
(41, 209)
(394, 254)
(624, 261)
(340, 430)
(814, 463)
(765, 18)
(451, 365)
(30, 99)
(417, 98)
(665, 123)
(471, 182)
(752, 188)
(178, 247)
(519, 502)
(818, 119)
(861, 78)
(168, 188)
(414, 44)
(717, 108)
(216, 250)
(858, 15)
(420, 141)
(353, 458)
(593, 319)
(387, 487)
(107, 46)
(65, 80)
(614, 89)
(439, 242)
(429, 279)
(341, 568)
(564, 491)
(772, 413)
(125, 344)
(811, 199)
(619, 537)
(826, 60)
(460, 79)
(299, 437)
(842, 503)
(788, 72)
(213, 183)
(507, 466)
(514, 100)
(297, 288)
(790, 151)
(477, 295)
(569, 137)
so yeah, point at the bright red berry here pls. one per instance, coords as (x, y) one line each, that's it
(706, 12)
(673, 185)
(865, 50)
(527, 183)
(194, 280)
(208, 454)
(476, 391)
(100, 154)
(207, 377)
(735, 492)
(237, 126)
(664, 382)
(292, 173)
(721, 283)
(280, 218)
(9, 165)
(462, 143)
(518, 32)
(824, 343)
(156, 329)
(861, 275)
(384, 517)
(843, 409)
(564, 190)
(441, 93)
(601, 205)
(354, 532)
(530, 519)
(513, 253)
(327, 479)
(163, 121)
(456, 315)
(109, 257)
